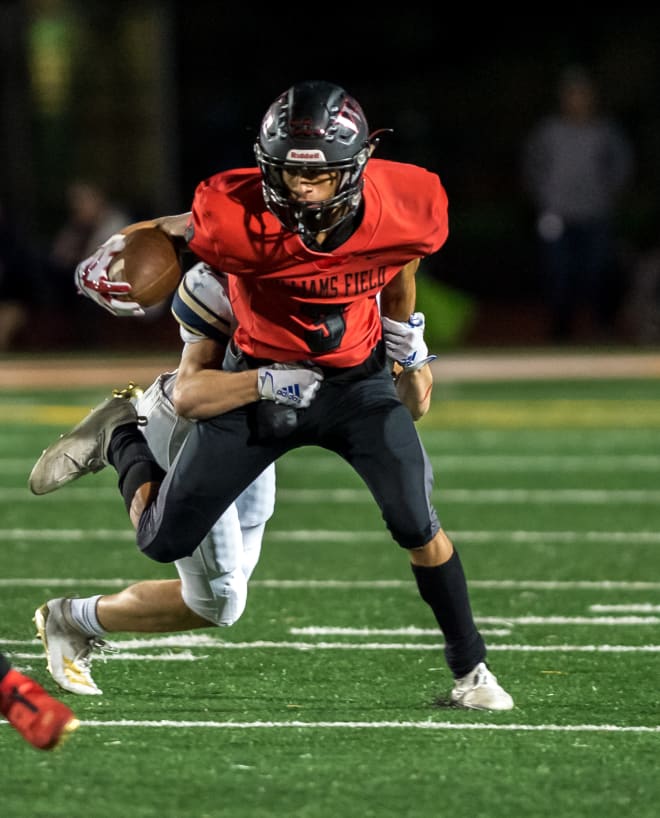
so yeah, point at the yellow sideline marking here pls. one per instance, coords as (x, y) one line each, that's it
(42, 415)
(444, 413)
(543, 413)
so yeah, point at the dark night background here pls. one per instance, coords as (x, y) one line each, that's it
(161, 95)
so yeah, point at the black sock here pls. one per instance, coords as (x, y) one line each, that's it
(131, 457)
(444, 589)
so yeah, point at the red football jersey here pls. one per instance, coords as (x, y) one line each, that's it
(293, 303)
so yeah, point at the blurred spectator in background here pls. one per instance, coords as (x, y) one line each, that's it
(92, 218)
(575, 166)
(23, 284)
(642, 308)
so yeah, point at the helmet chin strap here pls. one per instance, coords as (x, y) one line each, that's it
(309, 236)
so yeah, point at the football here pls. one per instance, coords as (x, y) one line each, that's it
(150, 264)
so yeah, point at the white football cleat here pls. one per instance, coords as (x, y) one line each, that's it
(83, 450)
(479, 690)
(69, 652)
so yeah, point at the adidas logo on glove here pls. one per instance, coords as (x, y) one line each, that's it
(289, 393)
(289, 384)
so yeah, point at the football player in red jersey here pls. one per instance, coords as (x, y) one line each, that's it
(41, 719)
(319, 241)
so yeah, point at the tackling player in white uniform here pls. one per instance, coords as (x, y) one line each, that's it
(212, 589)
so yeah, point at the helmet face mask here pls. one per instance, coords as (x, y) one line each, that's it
(313, 128)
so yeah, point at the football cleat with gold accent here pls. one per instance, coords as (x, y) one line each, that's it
(84, 450)
(131, 392)
(69, 652)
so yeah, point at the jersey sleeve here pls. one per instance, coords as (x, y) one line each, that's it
(201, 306)
(198, 234)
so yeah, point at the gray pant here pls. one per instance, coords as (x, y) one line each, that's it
(214, 577)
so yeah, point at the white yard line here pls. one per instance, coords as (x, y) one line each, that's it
(264, 644)
(588, 461)
(640, 607)
(348, 584)
(361, 496)
(336, 535)
(470, 495)
(316, 630)
(372, 725)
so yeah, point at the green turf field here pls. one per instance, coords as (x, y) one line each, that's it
(326, 700)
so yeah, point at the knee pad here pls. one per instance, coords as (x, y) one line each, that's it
(223, 600)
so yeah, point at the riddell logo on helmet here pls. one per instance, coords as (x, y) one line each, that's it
(306, 156)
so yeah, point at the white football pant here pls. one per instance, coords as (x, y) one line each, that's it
(214, 579)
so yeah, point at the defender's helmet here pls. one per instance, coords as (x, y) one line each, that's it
(318, 127)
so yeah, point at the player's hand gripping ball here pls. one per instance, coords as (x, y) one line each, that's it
(149, 262)
(130, 272)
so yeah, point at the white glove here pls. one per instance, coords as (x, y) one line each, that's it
(92, 280)
(404, 342)
(289, 384)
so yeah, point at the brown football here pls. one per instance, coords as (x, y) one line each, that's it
(150, 264)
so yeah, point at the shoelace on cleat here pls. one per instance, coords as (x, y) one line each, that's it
(84, 657)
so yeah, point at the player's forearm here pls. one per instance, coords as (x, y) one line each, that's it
(208, 392)
(172, 225)
(414, 389)
(397, 299)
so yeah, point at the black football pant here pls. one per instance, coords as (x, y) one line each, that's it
(356, 414)
(359, 418)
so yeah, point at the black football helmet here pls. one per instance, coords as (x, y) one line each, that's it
(318, 127)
